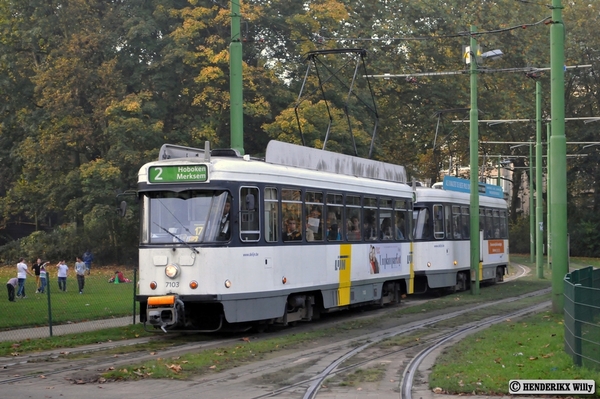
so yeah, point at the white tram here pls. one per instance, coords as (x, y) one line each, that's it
(233, 242)
(442, 236)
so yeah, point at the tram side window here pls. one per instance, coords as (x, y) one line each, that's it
(291, 206)
(496, 216)
(249, 216)
(465, 222)
(503, 224)
(423, 225)
(482, 222)
(456, 222)
(334, 217)
(354, 222)
(400, 219)
(438, 223)
(370, 231)
(385, 219)
(448, 221)
(489, 224)
(314, 216)
(271, 223)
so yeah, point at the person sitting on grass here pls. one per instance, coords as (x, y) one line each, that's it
(120, 276)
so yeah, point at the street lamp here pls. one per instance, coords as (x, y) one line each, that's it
(471, 58)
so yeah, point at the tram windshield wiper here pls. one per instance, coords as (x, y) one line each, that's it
(177, 238)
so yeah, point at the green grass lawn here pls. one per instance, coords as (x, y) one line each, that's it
(100, 300)
(529, 348)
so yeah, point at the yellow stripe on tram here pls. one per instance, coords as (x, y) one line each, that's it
(344, 265)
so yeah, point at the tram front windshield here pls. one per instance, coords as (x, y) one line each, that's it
(183, 217)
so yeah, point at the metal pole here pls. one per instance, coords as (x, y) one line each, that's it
(558, 155)
(134, 293)
(498, 183)
(49, 304)
(236, 100)
(531, 209)
(548, 204)
(539, 183)
(474, 169)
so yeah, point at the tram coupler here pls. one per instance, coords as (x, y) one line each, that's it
(162, 312)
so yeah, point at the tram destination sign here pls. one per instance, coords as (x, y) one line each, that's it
(178, 173)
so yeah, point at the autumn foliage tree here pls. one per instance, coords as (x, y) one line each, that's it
(90, 90)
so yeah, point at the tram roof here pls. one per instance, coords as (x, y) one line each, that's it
(287, 154)
(428, 194)
(283, 164)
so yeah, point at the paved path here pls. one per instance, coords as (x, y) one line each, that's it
(63, 329)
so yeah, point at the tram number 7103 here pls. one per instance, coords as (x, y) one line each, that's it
(172, 284)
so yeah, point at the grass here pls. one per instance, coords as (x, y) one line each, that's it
(575, 263)
(20, 347)
(100, 300)
(371, 374)
(213, 361)
(530, 348)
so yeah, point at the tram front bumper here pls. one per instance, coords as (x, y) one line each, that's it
(162, 311)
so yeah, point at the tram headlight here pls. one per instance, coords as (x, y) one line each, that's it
(428, 264)
(227, 284)
(172, 270)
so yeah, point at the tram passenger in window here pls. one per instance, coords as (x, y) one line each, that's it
(333, 234)
(386, 229)
(292, 233)
(354, 229)
(314, 222)
(308, 232)
(224, 232)
(369, 229)
(400, 228)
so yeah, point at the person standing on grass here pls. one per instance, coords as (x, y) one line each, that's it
(88, 257)
(43, 278)
(10, 286)
(80, 269)
(62, 275)
(22, 272)
(36, 270)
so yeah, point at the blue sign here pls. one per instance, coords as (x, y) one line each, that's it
(452, 183)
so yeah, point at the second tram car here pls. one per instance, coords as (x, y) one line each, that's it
(442, 236)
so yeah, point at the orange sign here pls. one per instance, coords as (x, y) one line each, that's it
(496, 246)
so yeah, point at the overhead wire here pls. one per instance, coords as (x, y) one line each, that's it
(423, 38)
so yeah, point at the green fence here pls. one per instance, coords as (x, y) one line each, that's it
(102, 304)
(582, 317)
